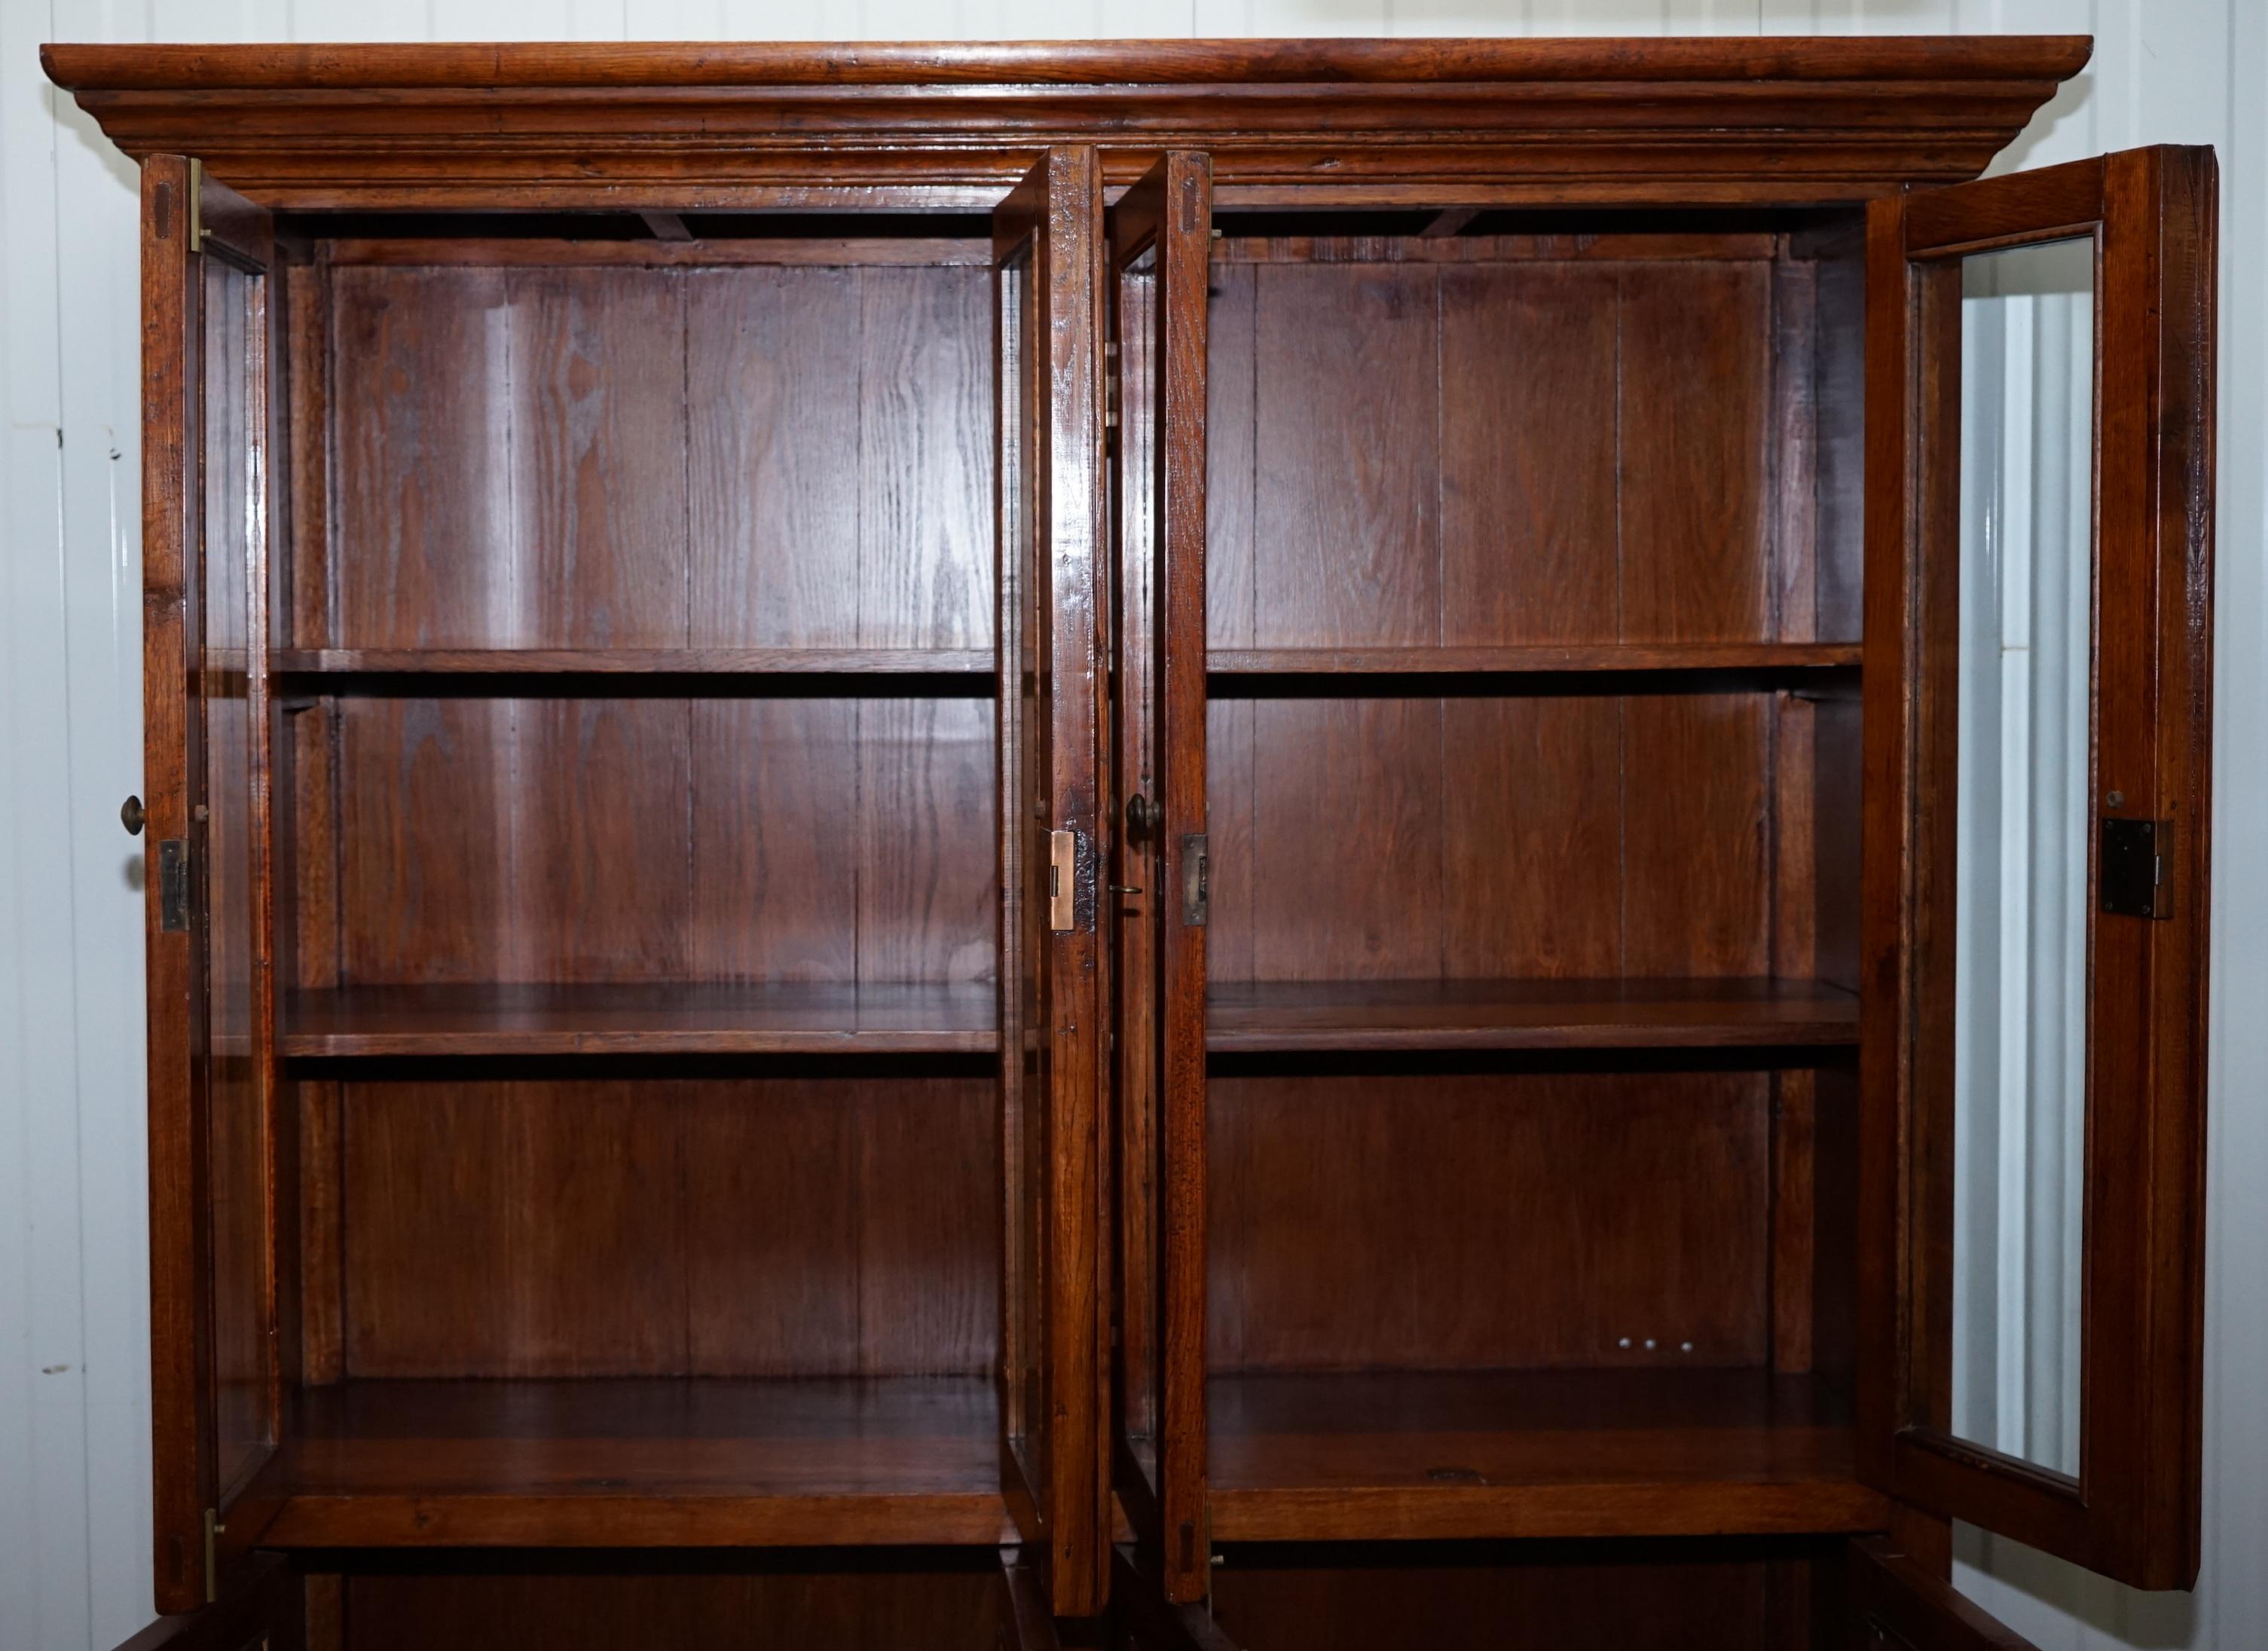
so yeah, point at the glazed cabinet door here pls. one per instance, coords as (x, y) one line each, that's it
(1897, 1605)
(2038, 685)
(208, 492)
(1160, 236)
(1149, 1621)
(264, 1609)
(1053, 531)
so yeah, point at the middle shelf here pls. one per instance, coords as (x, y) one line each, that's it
(818, 1018)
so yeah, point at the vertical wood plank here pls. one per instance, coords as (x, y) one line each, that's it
(1346, 491)
(1529, 473)
(1694, 381)
(772, 471)
(925, 468)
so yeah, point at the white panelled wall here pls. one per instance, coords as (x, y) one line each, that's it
(74, 1381)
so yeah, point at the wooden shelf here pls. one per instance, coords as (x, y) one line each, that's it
(347, 664)
(639, 1463)
(1561, 1015)
(1560, 1453)
(692, 1019)
(1535, 659)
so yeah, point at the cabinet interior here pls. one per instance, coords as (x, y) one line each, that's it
(1533, 563)
(638, 801)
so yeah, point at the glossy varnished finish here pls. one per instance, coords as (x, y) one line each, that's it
(629, 1463)
(710, 125)
(1531, 1453)
(1897, 1603)
(1160, 250)
(1528, 1015)
(816, 1599)
(2132, 1511)
(1055, 528)
(711, 1018)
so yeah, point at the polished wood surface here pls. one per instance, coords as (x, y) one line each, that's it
(1895, 1604)
(686, 622)
(1054, 531)
(2132, 1513)
(331, 664)
(1531, 1453)
(1682, 1595)
(815, 1600)
(824, 1217)
(1535, 659)
(1474, 1212)
(629, 1463)
(665, 127)
(768, 1018)
(1419, 1015)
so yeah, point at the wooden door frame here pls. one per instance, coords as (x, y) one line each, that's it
(2132, 1513)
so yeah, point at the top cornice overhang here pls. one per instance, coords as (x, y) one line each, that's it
(527, 126)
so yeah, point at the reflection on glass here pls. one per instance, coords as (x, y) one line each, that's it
(237, 1115)
(2019, 1038)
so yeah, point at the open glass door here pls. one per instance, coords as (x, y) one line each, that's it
(2040, 365)
(209, 463)
(1053, 531)
(1160, 234)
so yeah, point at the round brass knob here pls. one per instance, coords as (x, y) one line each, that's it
(1143, 816)
(130, 816)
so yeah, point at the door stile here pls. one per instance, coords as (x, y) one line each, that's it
(173, 762)
(1161, 235)
(1054, 533)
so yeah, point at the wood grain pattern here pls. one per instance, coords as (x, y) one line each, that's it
(1532, 659)
(637, 1464)
(799, 1220)
(1631, 1454)
(1722, 1012)
(1469, 121)
(845, 1601)
(1526, 511)
(335, 664)
(700, 1018)
(1679, 1595)
(1461, 1215)
(2136, 1516)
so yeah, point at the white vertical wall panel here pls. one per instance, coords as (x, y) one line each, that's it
(74, 1421)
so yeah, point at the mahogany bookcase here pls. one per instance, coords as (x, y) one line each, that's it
(1032, 843)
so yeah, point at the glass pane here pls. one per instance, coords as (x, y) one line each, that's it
(2020, 1028)
(234, 403)
(1023, 1075)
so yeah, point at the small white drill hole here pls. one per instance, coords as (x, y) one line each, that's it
(1649, 1344)
(1625, 1341)
(1685, 1346)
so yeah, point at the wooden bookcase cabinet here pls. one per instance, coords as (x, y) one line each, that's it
(1237, 849)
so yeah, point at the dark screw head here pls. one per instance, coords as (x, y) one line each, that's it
(130, 816)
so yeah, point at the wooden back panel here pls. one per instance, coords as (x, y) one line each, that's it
(533, 451)
(1505, 441)
(1494, 441)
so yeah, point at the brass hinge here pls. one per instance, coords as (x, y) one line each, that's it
(197, 231)
(1111, 387)
(213, 1530)
(174, 886)
(1062, 880)
(1196, 882)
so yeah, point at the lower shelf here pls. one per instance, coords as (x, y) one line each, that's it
(640, 1464)
(1560, 1453)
